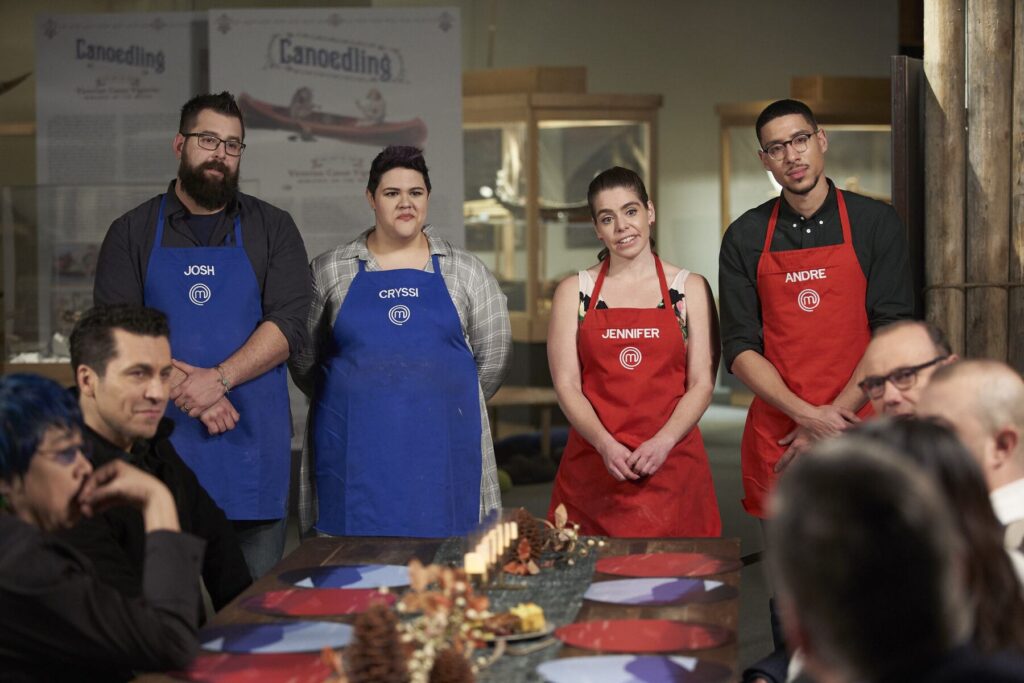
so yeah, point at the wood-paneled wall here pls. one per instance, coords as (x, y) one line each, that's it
(974, 197)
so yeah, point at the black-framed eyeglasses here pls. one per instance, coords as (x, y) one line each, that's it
(66, 456)
(777, 150)
(901, 378)
(233, 148)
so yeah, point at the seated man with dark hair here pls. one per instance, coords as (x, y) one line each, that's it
(869, 570)
(122, 362)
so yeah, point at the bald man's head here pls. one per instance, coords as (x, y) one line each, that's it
(899, 362)
(984, 401)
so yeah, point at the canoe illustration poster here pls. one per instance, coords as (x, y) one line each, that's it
(323, 91)
(109, 90)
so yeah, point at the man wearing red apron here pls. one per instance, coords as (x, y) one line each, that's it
(803, 280)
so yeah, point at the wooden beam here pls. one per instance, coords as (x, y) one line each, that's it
(945, 169)
(990, 70)
(1015, 324)
(908, 163)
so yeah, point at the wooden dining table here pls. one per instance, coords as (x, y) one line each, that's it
(366, 550)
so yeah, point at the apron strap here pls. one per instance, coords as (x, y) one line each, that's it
(160, 223)
(844, 217)
(664, 285)
(597, 285)
(771, 226)
(661, 281)
(238, 229)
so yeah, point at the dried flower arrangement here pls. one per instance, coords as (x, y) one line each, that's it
(539, 536)
(432, 647)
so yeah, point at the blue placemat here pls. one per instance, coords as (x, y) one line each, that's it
(632, 669)
(298, 636)
(348, 576)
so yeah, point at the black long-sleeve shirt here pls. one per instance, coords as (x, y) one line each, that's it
(59, 622)
(269, 236)
(878, 240)
(115, 541)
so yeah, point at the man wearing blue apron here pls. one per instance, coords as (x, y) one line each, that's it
(230, 271)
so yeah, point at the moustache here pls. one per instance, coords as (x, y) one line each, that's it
(215, 165)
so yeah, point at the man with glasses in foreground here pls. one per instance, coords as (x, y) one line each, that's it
(898, 364)
(231, 273)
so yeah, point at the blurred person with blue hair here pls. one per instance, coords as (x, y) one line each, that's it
(57, 621)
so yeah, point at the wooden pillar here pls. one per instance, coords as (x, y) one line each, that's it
(945, 152)
(1016, 294)
(989, 78)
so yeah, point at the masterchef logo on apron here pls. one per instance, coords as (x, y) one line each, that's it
(630, 357)
(399, 314)
(808, 300)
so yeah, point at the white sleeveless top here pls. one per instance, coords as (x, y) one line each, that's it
(676, 292)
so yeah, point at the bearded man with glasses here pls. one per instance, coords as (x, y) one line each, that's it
(231, 273)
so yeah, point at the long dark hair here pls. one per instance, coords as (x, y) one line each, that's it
(616, 176)
(992, 582)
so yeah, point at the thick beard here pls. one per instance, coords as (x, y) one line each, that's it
(210, 193)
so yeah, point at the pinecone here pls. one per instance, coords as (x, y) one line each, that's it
(451, 667)
(376, 654)
(530, 529)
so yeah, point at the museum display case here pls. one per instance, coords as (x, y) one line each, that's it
(529, 158)
(51, 237)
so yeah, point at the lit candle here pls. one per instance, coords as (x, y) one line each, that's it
(492, 538)
(515, 530)
(474, 564)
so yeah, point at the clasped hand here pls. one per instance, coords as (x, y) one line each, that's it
(626, 465)
(818, 423)
(200, 394)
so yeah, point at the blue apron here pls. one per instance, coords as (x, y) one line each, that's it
(396, 418)
(212, 300)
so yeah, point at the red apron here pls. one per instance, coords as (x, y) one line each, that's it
(815, 332)
(633, 366)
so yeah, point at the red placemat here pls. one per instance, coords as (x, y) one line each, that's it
(317, 602)
(642, 635)
(276, 668)
(656, 565)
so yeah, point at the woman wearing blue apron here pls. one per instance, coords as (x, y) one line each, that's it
(410, 335)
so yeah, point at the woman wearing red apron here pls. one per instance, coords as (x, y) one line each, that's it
(634, 369)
